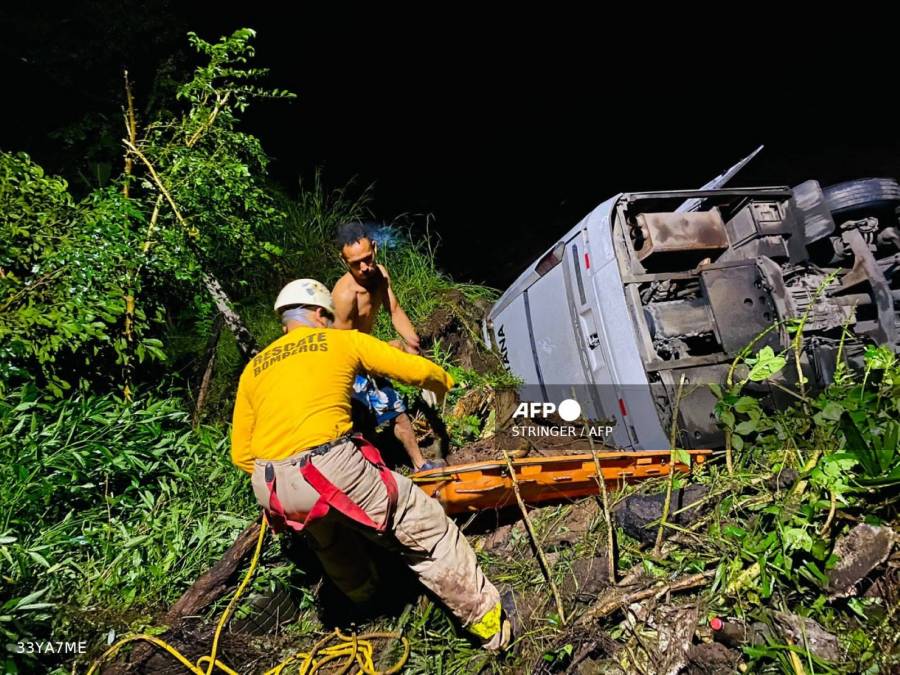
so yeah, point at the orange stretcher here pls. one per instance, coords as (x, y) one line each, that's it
(487, 485)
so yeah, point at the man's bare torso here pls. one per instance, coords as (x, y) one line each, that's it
(366, 303)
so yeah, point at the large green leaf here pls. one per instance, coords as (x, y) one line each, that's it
(766, 365)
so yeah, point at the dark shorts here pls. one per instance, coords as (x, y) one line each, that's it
(379, 396)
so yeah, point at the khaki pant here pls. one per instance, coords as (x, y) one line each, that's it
(428, 540)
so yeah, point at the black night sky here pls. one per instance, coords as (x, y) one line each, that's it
(508, 130)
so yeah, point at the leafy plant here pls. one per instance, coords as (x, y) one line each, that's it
(86, 288)
(107, 506)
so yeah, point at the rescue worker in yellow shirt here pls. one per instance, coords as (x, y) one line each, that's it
(291, 433)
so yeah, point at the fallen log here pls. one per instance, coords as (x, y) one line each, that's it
(615, 598)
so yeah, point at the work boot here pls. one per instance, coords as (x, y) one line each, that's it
(500, 641)
(509, 624)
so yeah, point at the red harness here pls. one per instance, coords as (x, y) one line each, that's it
(330, 496)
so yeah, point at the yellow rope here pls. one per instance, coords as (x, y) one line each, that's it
(355, 649)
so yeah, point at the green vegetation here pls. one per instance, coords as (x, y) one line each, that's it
(110, 505)
(114, 500)
(117, 492)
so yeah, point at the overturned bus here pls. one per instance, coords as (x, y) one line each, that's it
(650, 286)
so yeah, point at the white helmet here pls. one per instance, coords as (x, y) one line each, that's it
(305, 292)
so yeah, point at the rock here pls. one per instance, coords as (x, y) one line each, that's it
(636, 512)
(587, 577)
(783, 480)
(711, 659)
(498, 539)
(806, 633)
(573, 526)
(886, 586)
(736, 634)
(860, 551)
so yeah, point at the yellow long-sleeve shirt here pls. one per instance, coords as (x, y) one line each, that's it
(295, 394)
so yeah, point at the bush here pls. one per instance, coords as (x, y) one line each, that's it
(109, 508)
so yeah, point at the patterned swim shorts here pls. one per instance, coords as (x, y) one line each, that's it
(379, 396)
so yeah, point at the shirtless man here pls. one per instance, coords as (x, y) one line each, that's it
(358, 296)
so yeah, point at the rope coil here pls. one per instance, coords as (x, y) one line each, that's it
(355, 649)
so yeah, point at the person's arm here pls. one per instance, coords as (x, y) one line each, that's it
(345, 308)
(379, 358)
(401, 322)
(243, 421)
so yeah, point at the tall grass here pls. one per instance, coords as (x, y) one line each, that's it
(421, 287)
(309, 250)
(108, 510)
(305, 241)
